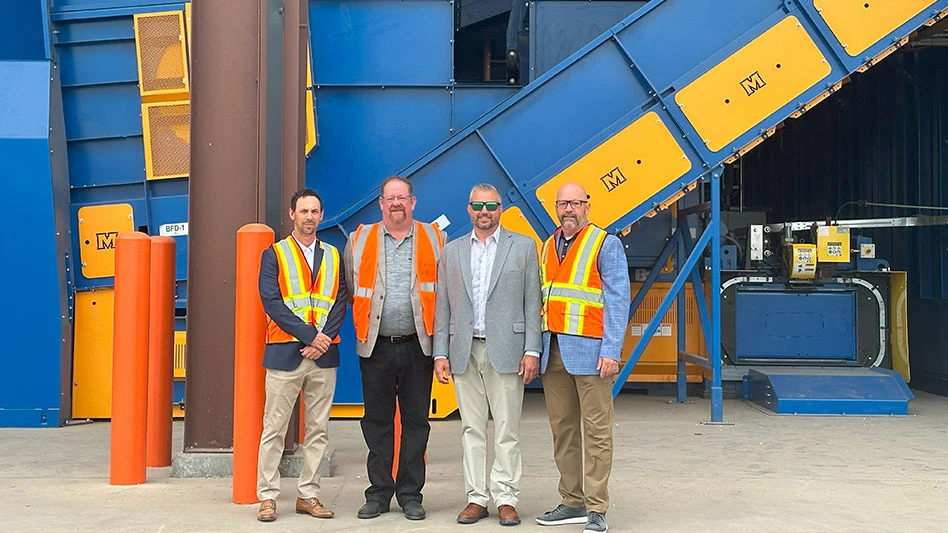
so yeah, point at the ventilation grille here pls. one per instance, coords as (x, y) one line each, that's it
(180, 352)
(162, 62)
(167, 131)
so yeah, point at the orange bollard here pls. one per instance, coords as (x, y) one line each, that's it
(160, 353)
(249, 375)
(398, 440)
(129, 359)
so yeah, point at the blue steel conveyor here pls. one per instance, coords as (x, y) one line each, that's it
(645, 111)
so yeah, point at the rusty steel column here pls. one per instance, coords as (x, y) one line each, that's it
(223, 196)
(295, 43)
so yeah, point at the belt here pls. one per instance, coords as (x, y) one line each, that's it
(398, 339)
(480, 338)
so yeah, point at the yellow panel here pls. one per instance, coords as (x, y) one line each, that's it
(898, 311)
(802, 261)
(310, 122)
(187, 25)
(167, 137)
(512, 218)
(443, 403)
(99, 225)
(659, 361)
(622, 172)
(92, 355)
(180, 353)
(162, 60)
(860, 23)
(347, 411)
(832, 244)
(443, 400)
(753, 83)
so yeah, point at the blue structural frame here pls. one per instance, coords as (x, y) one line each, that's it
(689, 263)
(636, 67)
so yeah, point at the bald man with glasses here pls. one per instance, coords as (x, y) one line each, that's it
(585, 277)
(491, 355)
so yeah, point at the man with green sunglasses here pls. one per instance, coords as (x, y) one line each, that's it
(491, 355)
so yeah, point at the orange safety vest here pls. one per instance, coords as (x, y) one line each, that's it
(365, 249)
(572, 290)
(309, 300)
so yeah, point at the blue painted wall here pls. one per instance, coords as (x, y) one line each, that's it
(23, 31)
(36, 330)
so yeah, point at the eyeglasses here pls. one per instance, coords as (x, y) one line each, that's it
(393, 199)
(561, 204)
(491, 206)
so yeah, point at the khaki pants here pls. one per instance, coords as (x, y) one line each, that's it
(283, 387)
(580, 408)
(481, 391)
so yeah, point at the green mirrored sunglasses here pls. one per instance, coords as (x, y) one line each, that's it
(491, 206)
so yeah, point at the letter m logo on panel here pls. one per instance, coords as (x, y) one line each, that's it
(613, 179)
(752, 83)
(105, 240)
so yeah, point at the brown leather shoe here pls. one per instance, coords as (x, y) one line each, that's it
(508, 515)
(312, 507)
(267, 511)
(472, 513)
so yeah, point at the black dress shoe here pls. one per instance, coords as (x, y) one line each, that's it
(373, 508)
(414, 511)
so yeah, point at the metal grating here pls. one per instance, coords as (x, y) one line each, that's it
(162, 63)
(167, 132)
(180, 353)
(646, 311)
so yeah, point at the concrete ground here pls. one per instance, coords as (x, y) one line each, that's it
(671, 473)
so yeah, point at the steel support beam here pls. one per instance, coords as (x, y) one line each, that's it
(236, 178)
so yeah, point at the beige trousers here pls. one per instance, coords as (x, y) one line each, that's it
(482, 391)
(580, 408)
(283, 387)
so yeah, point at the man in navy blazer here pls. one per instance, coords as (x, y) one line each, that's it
(304, 294)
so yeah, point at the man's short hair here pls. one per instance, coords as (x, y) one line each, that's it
(386, 181)
(483, 187)
(302, 193)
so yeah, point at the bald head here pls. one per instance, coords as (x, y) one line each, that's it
(572, 208)
(571, 191)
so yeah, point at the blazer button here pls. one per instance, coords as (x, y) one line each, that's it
(381, 297)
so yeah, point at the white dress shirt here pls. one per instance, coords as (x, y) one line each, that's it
(482, 264)
(309, 252)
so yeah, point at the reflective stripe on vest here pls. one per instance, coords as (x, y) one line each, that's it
(308, 299)
(365, 250)
(572, 290)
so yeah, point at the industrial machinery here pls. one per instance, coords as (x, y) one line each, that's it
(811, 300)
(642, 103)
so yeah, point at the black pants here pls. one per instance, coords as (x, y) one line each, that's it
(402, 371)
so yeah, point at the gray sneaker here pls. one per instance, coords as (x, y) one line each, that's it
(595, 523)
(563, 515)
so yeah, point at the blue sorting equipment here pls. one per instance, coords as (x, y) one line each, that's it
(716, 78)
(94, 42)
(828, 391)
(776, 325)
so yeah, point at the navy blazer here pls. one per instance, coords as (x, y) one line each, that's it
(286, 355)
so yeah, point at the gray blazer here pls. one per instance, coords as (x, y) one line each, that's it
(513, 303)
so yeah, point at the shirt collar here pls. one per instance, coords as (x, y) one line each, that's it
(311, 247)
(411, 230)
(563, 235)
(495, 236)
